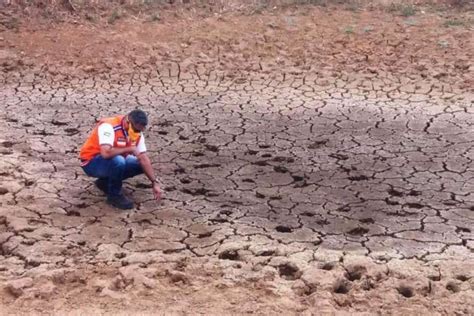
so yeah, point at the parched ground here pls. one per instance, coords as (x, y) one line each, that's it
(313, 161)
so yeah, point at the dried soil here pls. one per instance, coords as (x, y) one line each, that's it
(313, 160)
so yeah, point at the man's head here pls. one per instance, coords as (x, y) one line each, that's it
(138, 120)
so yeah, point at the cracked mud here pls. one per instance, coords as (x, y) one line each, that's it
(329, 191)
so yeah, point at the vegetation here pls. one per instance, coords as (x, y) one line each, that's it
(113, 10)
(349, 29)
(454, 22)
(116, 14)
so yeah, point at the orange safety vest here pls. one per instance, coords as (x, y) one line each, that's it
(91, 147)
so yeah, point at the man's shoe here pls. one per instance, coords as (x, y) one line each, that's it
(120, 201)
(102, 185)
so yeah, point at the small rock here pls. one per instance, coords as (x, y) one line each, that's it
(129, 273)
(355, 272)
(117, 284)
(300, 288)
(111, 294)
(3, 190)
(16, 287)
(176, 276)
(148, 283)
(46, 290)
(99, 285)
(89, 69)
(132, 275)
(315, 277)
(58, 276)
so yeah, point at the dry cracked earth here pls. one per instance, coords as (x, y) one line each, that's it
(301, 193)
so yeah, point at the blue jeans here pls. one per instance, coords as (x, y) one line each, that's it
(113, 171)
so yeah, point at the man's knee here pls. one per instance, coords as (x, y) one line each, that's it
(118, 162)
(133, 167)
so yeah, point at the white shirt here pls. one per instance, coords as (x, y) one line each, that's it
(107, 137)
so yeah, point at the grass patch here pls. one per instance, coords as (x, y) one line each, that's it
(116, 14)
(90, 17)
(155, 17)
(454, 22)
(11, 24)
(410, 22)
(353, 7)
(349, 29)
(405, 10)
(321, 3)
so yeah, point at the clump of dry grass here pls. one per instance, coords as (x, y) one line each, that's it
(113, 10)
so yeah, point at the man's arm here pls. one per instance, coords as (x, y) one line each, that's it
(106, 136)
(107, 151)
(145, 162)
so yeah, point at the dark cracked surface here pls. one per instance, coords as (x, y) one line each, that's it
(282, 171)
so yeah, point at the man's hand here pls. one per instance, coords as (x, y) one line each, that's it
(156, 191)
(148, 170)
(132, 149)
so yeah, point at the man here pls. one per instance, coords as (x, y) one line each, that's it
(115, 151)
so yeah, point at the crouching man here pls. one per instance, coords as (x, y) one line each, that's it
(115, 151)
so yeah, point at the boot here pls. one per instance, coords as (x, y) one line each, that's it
(120, 201)
(101, 184)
